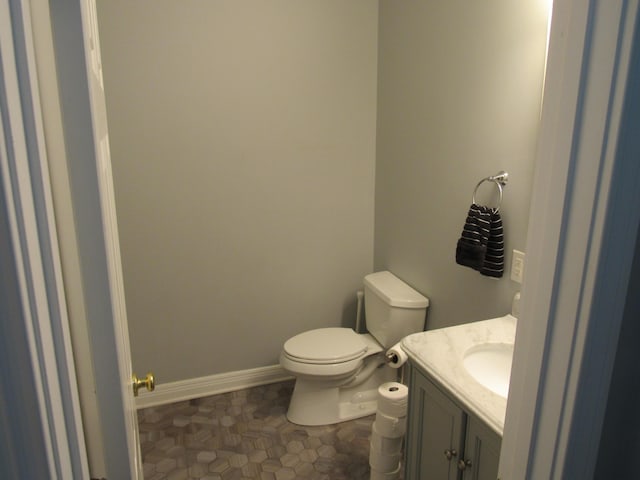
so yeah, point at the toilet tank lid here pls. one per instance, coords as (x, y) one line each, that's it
(394, 291)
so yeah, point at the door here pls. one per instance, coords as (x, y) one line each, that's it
(82, 101)
(110, 228)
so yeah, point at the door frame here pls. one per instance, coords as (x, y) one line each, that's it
(545, 434)
(36, 340)
(582, 232)
(80, 99)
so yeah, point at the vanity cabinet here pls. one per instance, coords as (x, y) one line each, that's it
(444, 442)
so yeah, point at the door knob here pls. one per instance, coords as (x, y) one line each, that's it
(149, 382)
(450, 453)
(463, 464)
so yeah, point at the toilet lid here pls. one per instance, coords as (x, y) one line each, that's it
(325, 345)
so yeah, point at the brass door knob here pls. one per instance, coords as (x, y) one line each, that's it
(149, 382)
(450, 453)
(463, 464)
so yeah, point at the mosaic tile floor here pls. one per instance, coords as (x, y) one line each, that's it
(245, 435)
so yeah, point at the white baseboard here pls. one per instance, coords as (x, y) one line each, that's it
(212, 385)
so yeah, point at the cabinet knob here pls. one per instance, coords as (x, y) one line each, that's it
(463, 464)
(450, 453)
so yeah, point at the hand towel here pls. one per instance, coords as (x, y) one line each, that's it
(472, 245)
(481, 245)
(494, 257)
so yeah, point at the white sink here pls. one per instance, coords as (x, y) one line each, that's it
(490, 365)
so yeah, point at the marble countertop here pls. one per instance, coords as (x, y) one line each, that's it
(440, 353)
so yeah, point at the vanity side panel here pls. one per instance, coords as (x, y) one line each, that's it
(436, 424)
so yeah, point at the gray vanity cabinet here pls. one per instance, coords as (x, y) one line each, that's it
(443, 441)
(482, 450)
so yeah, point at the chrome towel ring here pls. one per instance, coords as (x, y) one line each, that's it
(500, 179)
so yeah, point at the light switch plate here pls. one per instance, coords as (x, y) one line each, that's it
(517, 266)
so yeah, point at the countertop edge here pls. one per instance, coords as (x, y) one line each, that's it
(439, 354)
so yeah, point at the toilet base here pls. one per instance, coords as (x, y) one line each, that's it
(317, 403)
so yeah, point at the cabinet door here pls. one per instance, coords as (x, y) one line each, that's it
(435, 427)
(481, 451)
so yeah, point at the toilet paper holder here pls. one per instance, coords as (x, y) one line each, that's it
(391, 357)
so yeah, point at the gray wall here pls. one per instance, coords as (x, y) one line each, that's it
(459, 90)
(244, 141)
(243, 147)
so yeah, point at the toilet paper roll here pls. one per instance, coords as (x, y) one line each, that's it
(390, 426)
(396, 356)
(377, 475)
(384, 463)
(392, 399)
(385, 445)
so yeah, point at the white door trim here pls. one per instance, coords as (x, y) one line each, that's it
(582, 232)
(33, 243)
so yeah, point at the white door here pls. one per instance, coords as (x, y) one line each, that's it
(111, 237)
(82, 104)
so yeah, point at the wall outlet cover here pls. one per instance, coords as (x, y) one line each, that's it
(517, 266)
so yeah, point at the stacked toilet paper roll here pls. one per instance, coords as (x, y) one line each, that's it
(388, 431)
(392, 399)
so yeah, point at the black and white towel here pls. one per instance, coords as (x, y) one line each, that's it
(481, 245)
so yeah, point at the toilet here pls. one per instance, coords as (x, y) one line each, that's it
(337, 370)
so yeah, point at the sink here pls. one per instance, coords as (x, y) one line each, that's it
(490, 365)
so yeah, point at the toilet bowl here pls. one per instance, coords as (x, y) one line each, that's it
(328, 353)
(337, 370)
(338, 384)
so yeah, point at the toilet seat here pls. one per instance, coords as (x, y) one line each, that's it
(325, 346)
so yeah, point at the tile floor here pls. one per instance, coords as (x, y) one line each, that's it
(245, 435)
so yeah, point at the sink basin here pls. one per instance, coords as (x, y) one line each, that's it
(490, 365)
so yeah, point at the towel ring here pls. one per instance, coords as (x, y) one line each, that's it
(500, 179)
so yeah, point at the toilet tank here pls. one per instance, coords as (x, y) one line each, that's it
(393, 309)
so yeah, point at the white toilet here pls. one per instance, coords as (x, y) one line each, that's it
(337, 370)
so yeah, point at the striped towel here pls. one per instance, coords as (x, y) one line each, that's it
(481, 245)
